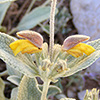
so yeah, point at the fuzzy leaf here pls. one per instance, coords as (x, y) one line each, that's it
(14, 94)
(4, 1)
(2, 89)
(28, 89)
(77, 64)
(22, 62)
(17, 64)
(84, 63)
(12, 71)
(53, 90)
(33, 18)
(14, 79)
(3, 9)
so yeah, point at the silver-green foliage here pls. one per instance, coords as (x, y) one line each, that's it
(34, 17)
(14, 79)
(77, 64)
(22, 63)
(2, 85)
(14, 94)
(3, 9)
(28, 89)
(4, 1)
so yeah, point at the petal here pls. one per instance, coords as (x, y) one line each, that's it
(32, 36)
(87, 49)
(31, 49)
(75, 52)
(15, 44)
(73, 40)
(20, 45)
(81, 48)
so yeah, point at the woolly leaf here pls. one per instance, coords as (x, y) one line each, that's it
(33, 18)
(12, 71)
(28, 89)
(14, 94)
(22, 62)
(4, 1)
(3, 9)
(53, 90)
(77, 64)
(14, 79)
(2, 89)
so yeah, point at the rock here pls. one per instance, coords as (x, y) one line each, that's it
(86, 18)
(81, 95)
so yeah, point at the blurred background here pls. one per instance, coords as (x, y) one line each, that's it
(72, 17)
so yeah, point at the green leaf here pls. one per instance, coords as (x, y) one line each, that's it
(22, 62)
(4, 1)
(77, 64)
(53, 90)
(2, 86)
(33, 18)
(28, 89)
(17, 64)
(84, 63)
(95, 44)
(14, 79)
(3, 9)
(14, 94)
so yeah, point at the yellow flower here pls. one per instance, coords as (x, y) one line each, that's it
(80, 49)
(31, 44)
(73, 46)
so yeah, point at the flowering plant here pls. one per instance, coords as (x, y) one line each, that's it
(48, 62)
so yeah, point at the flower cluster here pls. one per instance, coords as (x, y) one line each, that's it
(33, 41)
(47, 69)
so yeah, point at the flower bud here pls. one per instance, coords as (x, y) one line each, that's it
(45, 64)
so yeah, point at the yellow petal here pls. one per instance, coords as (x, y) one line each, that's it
(31, 50)
(87, 49)
(15, 44)
(20, 45)
(81, 48)
(75, 52)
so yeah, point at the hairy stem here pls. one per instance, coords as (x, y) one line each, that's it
(52, 19)
(45, 89)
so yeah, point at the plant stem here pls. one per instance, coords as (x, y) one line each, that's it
(12, 31)
(45, 3)
(30, 6)
(45, 89)
(52, 18)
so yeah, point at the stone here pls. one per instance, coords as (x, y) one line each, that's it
(86, 18)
